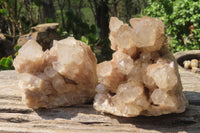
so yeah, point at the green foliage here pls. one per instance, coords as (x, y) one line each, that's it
(16, 48)
(3, 11)
(85, 40)
(63, 33)
(182, 21)
(6, 63)
(48, 20)
(76, 26)
(91, 40)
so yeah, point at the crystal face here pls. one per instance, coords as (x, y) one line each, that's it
(62, 76)
(142, 78)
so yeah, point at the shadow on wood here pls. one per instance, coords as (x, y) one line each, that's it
(170, 122)
(65, 112)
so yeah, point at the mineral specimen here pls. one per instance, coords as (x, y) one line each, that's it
(142, 78)
(193, 65)
(62, 76)
(187, 64)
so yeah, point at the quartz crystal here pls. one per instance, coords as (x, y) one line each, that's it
(62, 76)
(142, 78)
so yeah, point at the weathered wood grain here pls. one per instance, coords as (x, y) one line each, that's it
(16, 117)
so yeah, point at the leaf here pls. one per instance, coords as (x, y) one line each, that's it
(17, 47)
(3, 61)
(84, 39)
(9, 61)
(3, 11)
(6, 63)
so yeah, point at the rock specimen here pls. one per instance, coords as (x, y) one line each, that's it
(142, 78)
(194, 65)
(62, 76)
(44, 34)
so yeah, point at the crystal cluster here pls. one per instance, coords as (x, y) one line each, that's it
(142, 77)
(193, 65)
(64, 75)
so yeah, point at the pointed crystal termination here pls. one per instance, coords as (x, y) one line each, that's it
(114, 25)
(62, 76)
(142, 78)
(30, 58)
(152, 36)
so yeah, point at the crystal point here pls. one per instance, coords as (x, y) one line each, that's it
(148, 33)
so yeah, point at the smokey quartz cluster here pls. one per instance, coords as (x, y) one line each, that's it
(142, 77)
(62, 76)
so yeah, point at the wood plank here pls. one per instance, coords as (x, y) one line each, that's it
(190, 80)
(16, 117)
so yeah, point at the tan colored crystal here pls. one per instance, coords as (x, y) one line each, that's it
(109, 76)
(143, 80)
(194, 63)
(114, 25)
(187, 64)
(124, 62)
(62, 76)
(148, 33)
(124, 41)
(27, 60)
(120, 37)
(135, 74)
(163, 75)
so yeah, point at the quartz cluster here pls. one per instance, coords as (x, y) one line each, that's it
(142, 78)
(62, 76)
(193, 65)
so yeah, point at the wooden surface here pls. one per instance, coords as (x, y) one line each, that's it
(16, 117)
